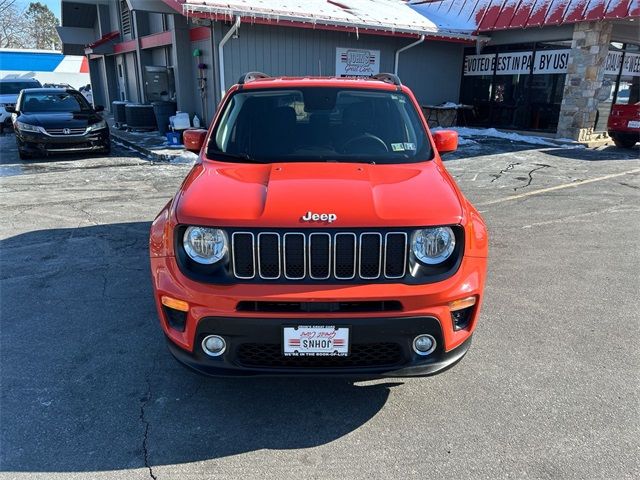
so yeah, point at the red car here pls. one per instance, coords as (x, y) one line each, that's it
(319, 233)
(624, 125)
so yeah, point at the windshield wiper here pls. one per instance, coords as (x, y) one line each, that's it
(245, 157)
(348, 160)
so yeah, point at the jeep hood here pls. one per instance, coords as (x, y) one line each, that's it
(279, 194)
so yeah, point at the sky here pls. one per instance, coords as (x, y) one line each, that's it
(54, 5)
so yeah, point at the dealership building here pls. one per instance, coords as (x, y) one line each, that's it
(533, 65)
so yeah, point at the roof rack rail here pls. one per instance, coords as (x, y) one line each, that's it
(388, 78)
(251, 76)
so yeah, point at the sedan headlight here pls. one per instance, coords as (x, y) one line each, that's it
(433, 245)
(98, 126)
(27, 127)
(205, 245)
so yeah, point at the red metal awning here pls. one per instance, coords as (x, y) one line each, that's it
(104, 39)
(492, 15)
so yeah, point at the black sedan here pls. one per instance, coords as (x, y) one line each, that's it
(57, 120)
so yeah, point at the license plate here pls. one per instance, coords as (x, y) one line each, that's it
(633, 124)
(315, 341)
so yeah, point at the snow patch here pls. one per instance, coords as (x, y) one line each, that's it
(185, 157)
(465, 132)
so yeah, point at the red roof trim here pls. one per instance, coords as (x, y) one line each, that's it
(124, 47)
(491, 15)
(620, 10)
(156, 40)
(199, 33)
(104, 39)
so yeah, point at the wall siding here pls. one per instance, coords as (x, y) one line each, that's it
(207, 58)
(432, 69)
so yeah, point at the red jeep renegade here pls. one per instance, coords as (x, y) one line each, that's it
(319, 233)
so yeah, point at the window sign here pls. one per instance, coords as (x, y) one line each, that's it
(612, 63)
(631, 65)
(517, 63)
(551, 61)
(479, 64)
(355, 62)
(547, 61)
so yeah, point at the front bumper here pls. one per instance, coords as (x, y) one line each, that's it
(380, 347)
(213, 309)
(39, 143)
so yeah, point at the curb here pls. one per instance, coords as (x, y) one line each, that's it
(158, 157)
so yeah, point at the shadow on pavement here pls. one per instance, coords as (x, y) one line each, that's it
(593, 155)
(88, 385)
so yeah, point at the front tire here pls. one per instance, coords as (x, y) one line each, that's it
(23, 155)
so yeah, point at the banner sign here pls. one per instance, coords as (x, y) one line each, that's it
(546, 61)
(631, 65)
(355, 62)
(612, 63)
(517, 63)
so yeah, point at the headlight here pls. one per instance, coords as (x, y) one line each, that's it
(205, 245)
(433, 245)
(98, 126)
(26, 127)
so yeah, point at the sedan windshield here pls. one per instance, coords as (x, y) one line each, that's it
(43, 102)
(320, 124)
(13, 88)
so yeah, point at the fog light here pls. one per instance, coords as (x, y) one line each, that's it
(424, 344)
(213, 345)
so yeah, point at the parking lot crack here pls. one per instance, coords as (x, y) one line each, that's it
(539, 166)
(496, 176)
(144, 401)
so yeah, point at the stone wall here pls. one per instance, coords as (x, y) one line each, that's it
(585, 72)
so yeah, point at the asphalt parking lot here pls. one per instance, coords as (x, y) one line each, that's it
(549, 388)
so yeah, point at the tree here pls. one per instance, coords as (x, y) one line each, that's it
(12, 25)
(41, 24)
(31, 27)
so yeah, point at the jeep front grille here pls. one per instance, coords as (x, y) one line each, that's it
(319, 255)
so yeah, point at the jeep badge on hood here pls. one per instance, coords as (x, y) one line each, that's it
(319, 217)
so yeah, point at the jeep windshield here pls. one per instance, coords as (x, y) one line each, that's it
(319, 125)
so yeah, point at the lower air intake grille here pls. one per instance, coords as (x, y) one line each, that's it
(320, 307)
(364, 355)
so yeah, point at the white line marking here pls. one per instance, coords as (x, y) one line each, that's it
(615, 209)
(558, 187)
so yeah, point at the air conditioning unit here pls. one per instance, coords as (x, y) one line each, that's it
(140, 117)
(119, 116)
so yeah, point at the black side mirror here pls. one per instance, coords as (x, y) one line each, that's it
(10, 109)
(99, 108)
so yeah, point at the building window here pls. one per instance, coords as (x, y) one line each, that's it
(516, 86)
(125, 18)
(621, 82)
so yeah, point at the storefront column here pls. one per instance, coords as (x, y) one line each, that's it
(589, 48)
